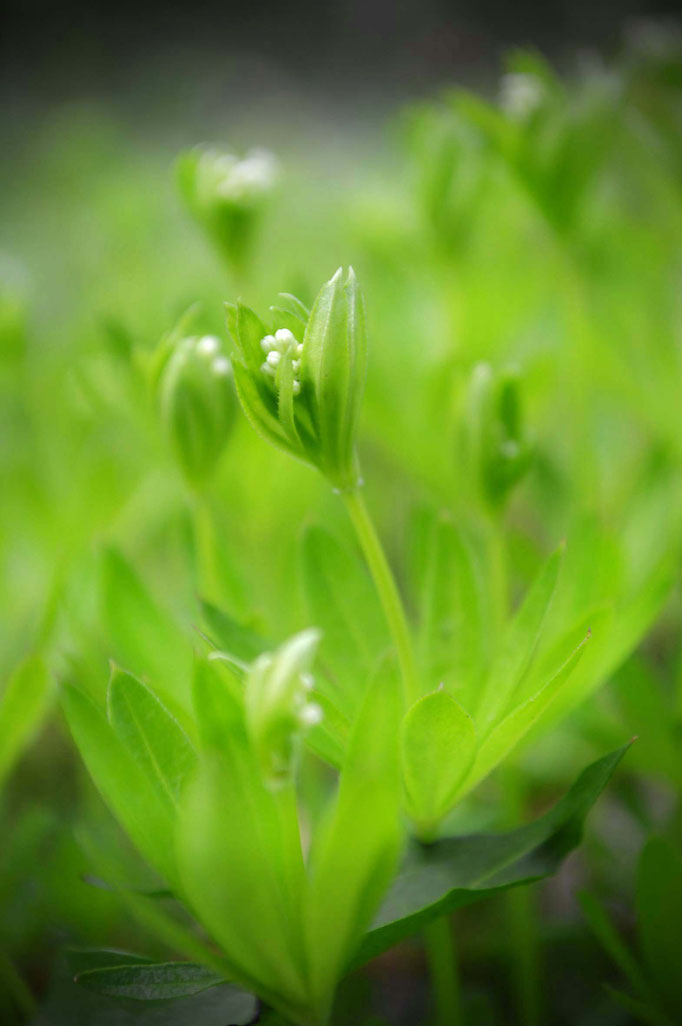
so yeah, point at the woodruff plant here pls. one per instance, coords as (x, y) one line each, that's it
(208, 788)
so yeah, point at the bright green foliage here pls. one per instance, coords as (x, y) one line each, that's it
(438, 745)
(301, 378)
(23, 704)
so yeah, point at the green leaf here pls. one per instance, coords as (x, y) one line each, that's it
(149, 982)
(438, 744)
(609, 938)
(144, 636)
(240, 859)
(659, 918)
(518, 646)
(437, 878)
(507, 734)
(22, 707)
(342, 602)
(153, 737)
(126, 789)
(355, 853)
(235, 639)
(452, 635)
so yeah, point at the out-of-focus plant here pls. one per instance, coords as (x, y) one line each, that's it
(655, 990)
(226, 195)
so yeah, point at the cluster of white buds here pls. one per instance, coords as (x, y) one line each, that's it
(274, 347)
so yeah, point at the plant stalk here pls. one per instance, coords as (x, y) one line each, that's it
(387, 590)
(14, 985)
(442, 958)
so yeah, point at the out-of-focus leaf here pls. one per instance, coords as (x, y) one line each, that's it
(235, 639)
(452, 634)
(437, 878)
(343, 603)
(438, 744)
(518, 646)
(22, 707)
(240, 858)
(513, 728)
(153, 737)
(355, 854)
(144, 637)
(149, 981)
(126, 789)
(611, 941)
(659, 918)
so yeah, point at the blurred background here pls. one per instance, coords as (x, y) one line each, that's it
(538, 229)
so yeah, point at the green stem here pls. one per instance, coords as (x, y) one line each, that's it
(386, 589)
(521, 913)
(440, 950)
(15, 987)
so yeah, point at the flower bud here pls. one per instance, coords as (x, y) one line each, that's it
(197, 402)
(301, 379)
(226, 195)
(498, 447)
(278, 708)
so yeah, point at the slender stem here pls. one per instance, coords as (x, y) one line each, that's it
(15, 986)
(521, 913)
(440, 949)
(386, 589)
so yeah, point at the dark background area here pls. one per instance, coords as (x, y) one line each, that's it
(52, 51)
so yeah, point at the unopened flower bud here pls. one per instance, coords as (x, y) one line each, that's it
(278, 707)
(226, 195)
(498, 447)
(306, 397)
(197, 402)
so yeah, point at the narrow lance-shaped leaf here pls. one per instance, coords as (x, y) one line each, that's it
(127, 790)
(153, 737)
(518, 645)
(354, 856)
(342, 601)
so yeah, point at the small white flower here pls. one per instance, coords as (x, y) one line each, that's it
(273, 358)
(267, 344)
(296, 387)
(267, 369)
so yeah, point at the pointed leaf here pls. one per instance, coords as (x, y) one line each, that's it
(342, 602)
(438, 744)
(126, 789)
(149, 982)
(518, 645)
(153, 737)
(437, 878)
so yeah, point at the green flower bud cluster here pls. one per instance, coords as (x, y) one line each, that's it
(225, 194)
(278, 705)
(499, 449)
(300, 378)
(197, 402)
